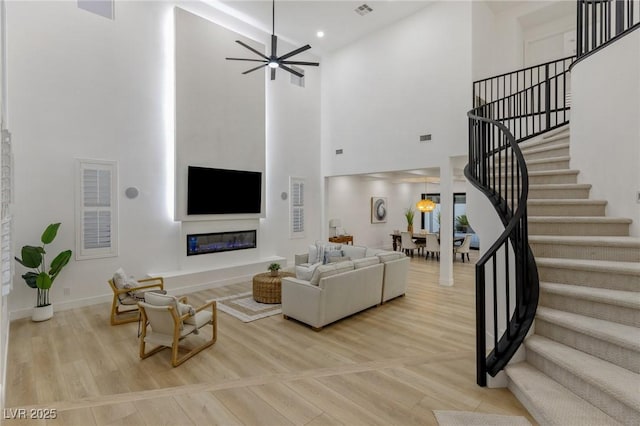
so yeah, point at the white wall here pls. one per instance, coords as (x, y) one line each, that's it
(349, 199)
(82, 86)
(483, 36)
(382, 92)
(605, 129)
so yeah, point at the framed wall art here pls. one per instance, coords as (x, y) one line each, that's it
(378, 209)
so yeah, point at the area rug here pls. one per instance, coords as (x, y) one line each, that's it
(243, 307)
(469, 418)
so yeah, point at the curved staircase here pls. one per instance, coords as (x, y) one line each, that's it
(583, 361)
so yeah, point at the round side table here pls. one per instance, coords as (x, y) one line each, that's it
(267, 288)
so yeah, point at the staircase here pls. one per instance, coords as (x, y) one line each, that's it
(583, 361)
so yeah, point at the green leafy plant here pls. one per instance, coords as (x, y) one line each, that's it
(33, 257)
(409, 214)
(462, 223)
(274, 267)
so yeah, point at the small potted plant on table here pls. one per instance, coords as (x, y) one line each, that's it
(274, 268)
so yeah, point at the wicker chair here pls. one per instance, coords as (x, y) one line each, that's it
(124, 306)
(171, 320)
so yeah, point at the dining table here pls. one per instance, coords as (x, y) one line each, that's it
(421, 237)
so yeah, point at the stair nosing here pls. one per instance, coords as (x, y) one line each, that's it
(608, 384)
(610, 241)
(621, 298)
(580, 219)
(553, 186)
(623, 335)
(626, 268)
(537, 150)
(564, 201)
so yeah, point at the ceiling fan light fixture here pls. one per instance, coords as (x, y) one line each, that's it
(274, 61)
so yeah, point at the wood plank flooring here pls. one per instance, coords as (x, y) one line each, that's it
(392, 364)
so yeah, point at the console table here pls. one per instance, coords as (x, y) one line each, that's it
(342, 239)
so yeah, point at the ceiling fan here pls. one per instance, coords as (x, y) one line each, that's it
(274, 61)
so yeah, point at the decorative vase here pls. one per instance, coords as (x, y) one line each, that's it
(42, 313)
(274, 273)
(410, 229)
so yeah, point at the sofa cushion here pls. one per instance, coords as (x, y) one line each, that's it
(305, 272)
(335, 259)
(387, 256)
(373, 252)
(330, 269)
(313, 254)
(354, 252)
(365, 261)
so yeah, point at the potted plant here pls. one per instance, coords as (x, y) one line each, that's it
(409, 214)
(33, 257)
(274, 268)
(462, 223)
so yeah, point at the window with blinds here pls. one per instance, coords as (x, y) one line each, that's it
(296, 202)
(96, 209)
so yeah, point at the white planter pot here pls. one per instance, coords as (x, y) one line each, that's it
(42, 313)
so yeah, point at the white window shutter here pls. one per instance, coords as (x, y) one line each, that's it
(96, 209)
(296, 189)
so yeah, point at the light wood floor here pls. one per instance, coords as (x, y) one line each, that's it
(391, 364)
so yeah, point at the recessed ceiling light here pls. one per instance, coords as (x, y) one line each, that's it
(320, 34)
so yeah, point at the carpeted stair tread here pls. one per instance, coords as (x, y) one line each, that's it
(544, 141)
(554, 172)
(532, 149)
(580, 219)
(630, 268)
(565, 201)
(559, 158)
(627, 299)
(611, 241)
(550, 402)
(615, 381)
(614, 333)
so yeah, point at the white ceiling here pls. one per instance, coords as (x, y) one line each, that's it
(298, 21)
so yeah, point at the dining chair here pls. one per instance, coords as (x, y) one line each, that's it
(464, 248)
(408, 244)
(432, 246)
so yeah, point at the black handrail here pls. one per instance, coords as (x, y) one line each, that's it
(602, 21)
(509, 109)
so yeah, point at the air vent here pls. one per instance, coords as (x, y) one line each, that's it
(338, 151)
(425, 138)
(363, 10)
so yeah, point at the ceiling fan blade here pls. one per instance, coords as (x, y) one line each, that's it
(312, 64)
(254, 69)
(243, 59)
(294, 52)
(274, 45)
(252, 49)
(273, 73)
(291, 70)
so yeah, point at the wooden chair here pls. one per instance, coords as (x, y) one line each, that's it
(464, 247)
(432, 245)
(170, 320)
(124, 306)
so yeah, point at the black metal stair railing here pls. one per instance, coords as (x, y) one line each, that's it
(509, 109)
(602, 21)
(524, 103)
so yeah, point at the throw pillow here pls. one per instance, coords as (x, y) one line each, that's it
(313, 254)
(306, 272)
(331, 253)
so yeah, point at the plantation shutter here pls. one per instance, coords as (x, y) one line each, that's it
(297, 207)
(96, 225)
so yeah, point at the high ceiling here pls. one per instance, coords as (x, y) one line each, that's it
(299, 21)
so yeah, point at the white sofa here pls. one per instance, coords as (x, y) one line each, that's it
(336, 290)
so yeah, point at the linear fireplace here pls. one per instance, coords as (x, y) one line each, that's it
(217, 242)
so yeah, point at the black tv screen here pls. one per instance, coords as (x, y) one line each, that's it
(221, 191)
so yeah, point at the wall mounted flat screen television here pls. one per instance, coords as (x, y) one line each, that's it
(222, 191)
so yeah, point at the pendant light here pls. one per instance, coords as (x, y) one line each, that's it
(425, 206)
